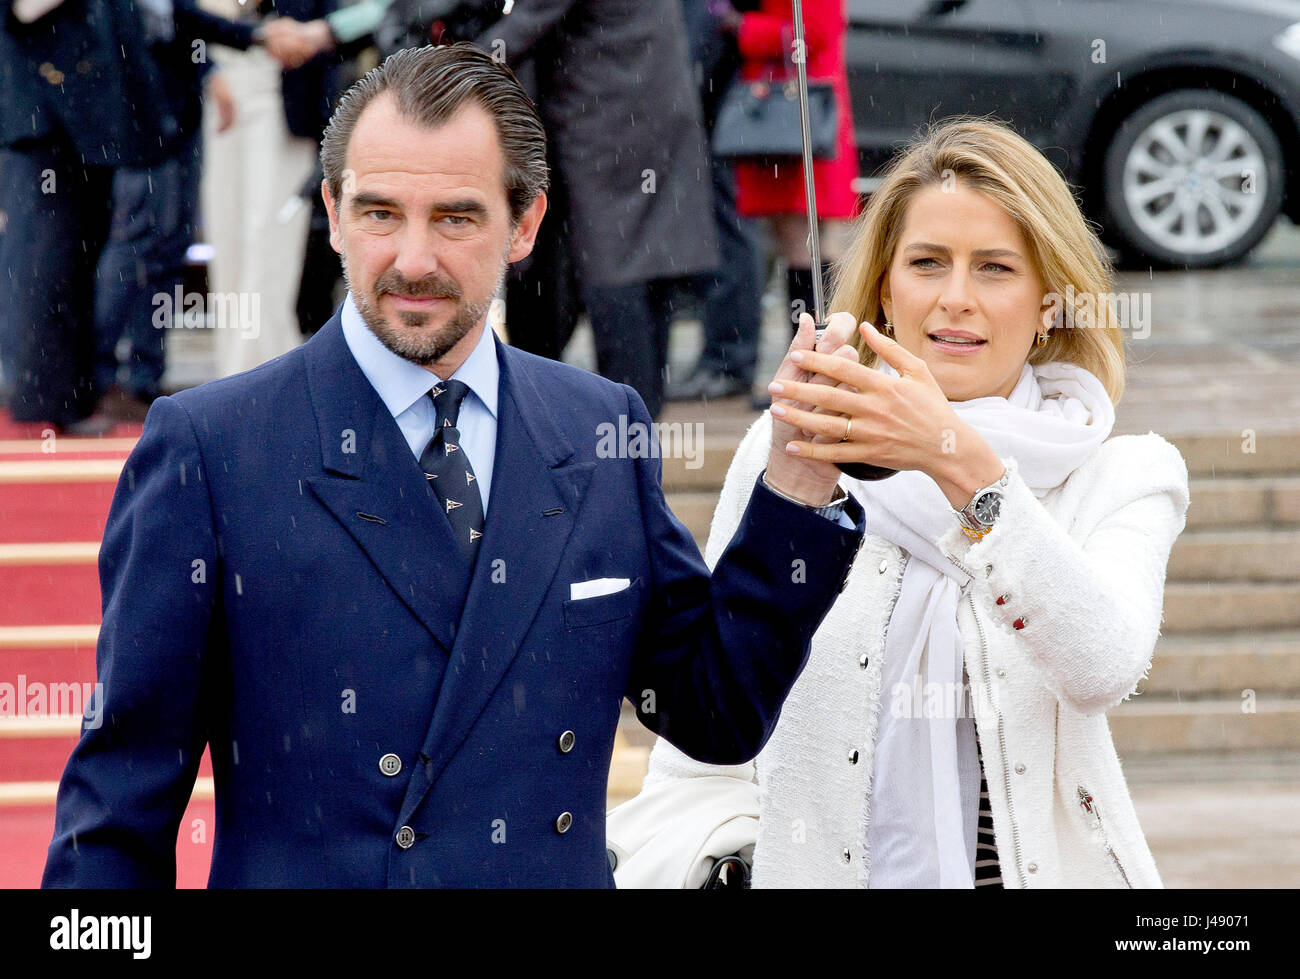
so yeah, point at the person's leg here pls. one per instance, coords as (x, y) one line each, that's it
(542, 302)
(153, 225)
(321, 273)
(791, 234)
(8, 337)
(120, 271)
(732, 300)
(273, 232)
(661, 297)
(627, 344)
(58, 223)
(174, 207)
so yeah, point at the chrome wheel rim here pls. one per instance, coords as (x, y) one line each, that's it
(1195, 181)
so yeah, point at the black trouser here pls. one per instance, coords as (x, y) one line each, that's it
(631, 326)
(732, 296)
(59, 210)
(154, 217)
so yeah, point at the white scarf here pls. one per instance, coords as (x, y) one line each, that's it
(925, 794)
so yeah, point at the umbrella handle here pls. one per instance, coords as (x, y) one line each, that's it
(857, 470)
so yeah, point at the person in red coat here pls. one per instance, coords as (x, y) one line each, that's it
(774, 188)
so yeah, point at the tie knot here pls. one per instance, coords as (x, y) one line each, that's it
(447, 397)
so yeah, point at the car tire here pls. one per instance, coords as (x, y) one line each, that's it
(1191, 179)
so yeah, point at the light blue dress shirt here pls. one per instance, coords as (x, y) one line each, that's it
(404, 389)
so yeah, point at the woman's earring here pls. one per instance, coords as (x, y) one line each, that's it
(1042, 338)
(887, 329)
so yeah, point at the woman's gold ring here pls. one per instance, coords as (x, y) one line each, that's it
(848, 430)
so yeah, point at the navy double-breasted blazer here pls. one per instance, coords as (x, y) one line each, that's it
(280, 584)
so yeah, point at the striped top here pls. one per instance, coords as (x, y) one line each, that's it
(988, 872)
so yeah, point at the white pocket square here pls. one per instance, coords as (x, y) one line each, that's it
(597, 587)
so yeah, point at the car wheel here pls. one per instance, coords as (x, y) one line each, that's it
(1192, 178)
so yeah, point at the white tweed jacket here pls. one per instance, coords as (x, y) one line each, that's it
(1081, 571)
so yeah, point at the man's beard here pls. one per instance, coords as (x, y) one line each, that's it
(430, 345)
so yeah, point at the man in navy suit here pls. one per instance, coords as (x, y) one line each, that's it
(397, 581)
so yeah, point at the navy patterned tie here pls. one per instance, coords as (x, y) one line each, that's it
(448, 470)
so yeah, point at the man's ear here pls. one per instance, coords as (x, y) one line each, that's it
(331, 205)
(525, 232)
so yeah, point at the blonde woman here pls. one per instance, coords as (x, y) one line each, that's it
(949, 728)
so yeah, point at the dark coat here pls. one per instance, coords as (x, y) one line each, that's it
(64, 76)
(280, 583)
(616, 92)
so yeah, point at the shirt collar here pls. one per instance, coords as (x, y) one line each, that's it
(400, 383)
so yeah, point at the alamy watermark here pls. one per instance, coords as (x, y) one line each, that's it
(921, 699)
(178, 309)
(37, 699)
(658, 440)
(1128, 310)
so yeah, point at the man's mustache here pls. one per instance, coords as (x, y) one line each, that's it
(431, 286)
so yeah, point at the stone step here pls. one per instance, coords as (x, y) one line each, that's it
(1244, 501)
(1240, 555)
(1227, 606)
(1225, 665)
(1148, 725)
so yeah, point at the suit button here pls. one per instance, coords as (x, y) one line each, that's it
(406, 837)
(1020, 769)
(566, 742)
(613, 859)
(564, 822)
(83, 67)
(390, 764)
(853, 756)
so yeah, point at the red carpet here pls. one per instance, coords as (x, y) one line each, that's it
(55, 493)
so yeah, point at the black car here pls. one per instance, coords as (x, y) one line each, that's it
(1177, 120)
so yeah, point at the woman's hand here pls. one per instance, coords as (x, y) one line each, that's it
(807, 479)
(903, 422)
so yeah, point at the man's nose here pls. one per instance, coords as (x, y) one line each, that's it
(417, 252)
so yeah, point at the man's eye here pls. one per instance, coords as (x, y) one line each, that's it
(456, 219)
(379, 215)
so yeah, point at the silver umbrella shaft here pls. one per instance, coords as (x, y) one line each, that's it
(810, 190)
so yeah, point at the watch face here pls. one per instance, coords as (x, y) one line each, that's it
(986, 508)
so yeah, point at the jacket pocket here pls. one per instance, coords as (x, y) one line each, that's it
(1093, 813)
(603, 608)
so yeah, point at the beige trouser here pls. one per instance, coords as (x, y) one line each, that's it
(250, 173)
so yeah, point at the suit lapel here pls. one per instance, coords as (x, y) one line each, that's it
(537, 489)
(373, 486)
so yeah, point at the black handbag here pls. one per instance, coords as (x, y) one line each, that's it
(760, 118)
(730, 873)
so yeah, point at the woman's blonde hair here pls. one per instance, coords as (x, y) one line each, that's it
(993, 160)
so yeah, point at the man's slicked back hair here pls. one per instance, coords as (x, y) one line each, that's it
(430, 85)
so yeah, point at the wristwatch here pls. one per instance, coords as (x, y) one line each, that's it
(831, 511)
(979, 515)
